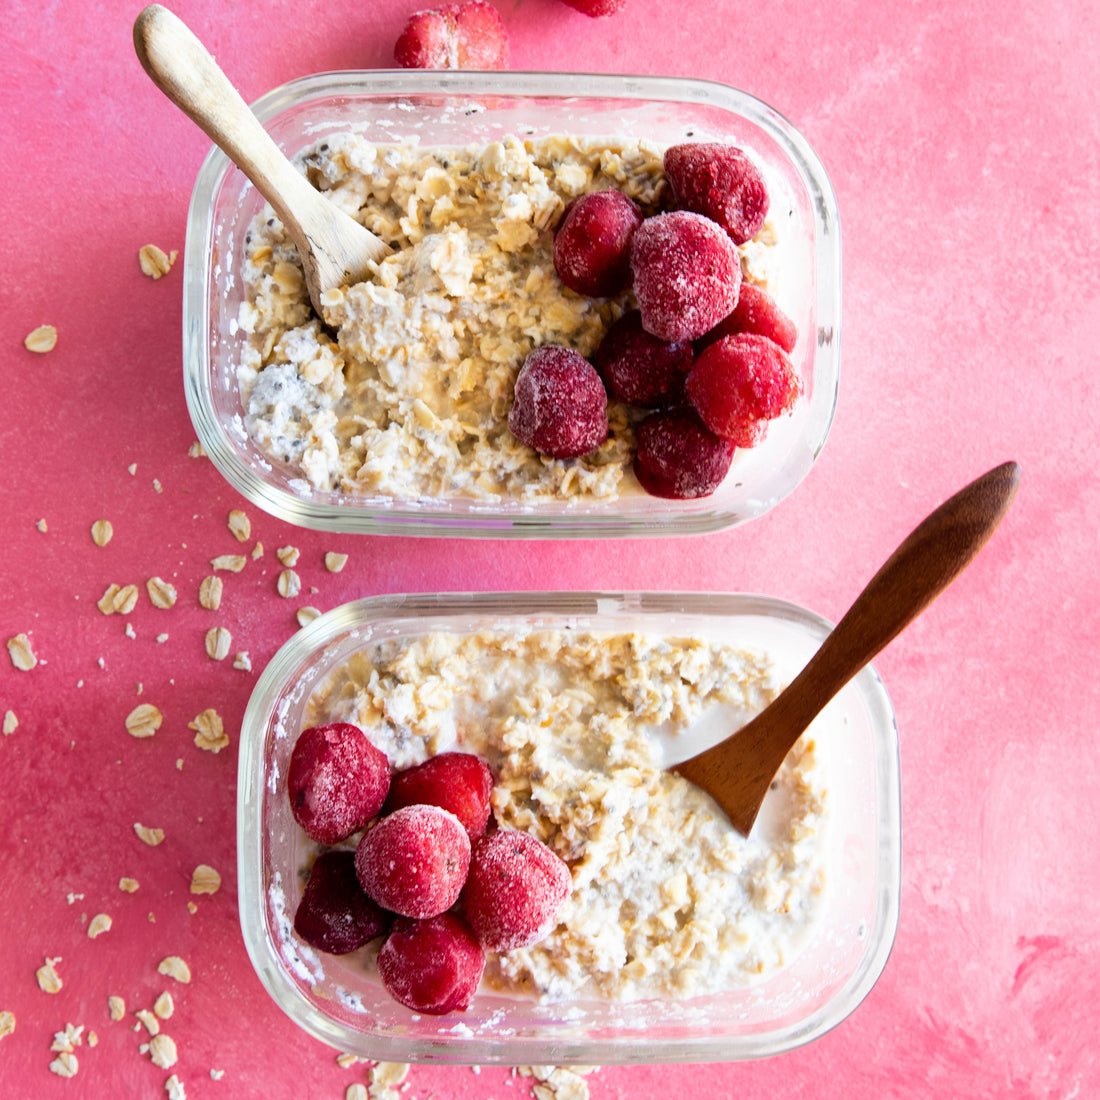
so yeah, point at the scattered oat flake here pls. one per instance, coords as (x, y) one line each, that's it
(218, 641)
(118, 600)
(150, 1022)
(242, 661)
(157, 487)
(162, 638)
(161, 593)
(128, 885)
(22, 656)
(289, 584)
(217, 1074)
(335, 562)
(65, 1064)
(240, 525)
(205, 880)
(154, 261)
(306, 615)
(41, 339)
(346, 1060)
(102, 532)
(117, 1007)
(93, 1039)
(233, 563)
(210, 593)
(174, 1088)
(49, 981)
(42, 526)
(209, 731)
(196, 450)
(356, 1092)
(150, 836)
(257, 551)
(174, 967)
(11, 723)
(162, 1051)
(288, 555)
(164, 1006)
(132, 469)
(388, 1074)
(7, 1024)
(68, 1039)
(144, 720)
(100, 923)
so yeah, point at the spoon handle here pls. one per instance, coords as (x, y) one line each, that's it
(179, 64)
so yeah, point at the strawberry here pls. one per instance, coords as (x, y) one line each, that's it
(597, 8)
(455, 36)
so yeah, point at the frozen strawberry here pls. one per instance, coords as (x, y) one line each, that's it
(720, 182)
(337, 781)
(687, 274)
(457, 781)
(678, 457)
(592, 243)
(455, 36)
(414, 861)
(431, 966)
(597, 8)
(739, 383)
(515, 890)
(560, 405)
(334, 914)
(640, 369)
(757, 312)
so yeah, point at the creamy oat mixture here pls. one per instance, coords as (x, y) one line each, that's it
(406, 392)
(668, 899)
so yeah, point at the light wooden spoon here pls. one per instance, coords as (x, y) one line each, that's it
(738, 771)
(335, 249)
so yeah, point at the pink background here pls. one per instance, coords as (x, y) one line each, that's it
(962, 143)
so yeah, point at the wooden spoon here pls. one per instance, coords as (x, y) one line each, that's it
(738, 771)
(335, 249)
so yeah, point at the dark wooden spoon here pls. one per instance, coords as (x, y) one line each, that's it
(738, 771)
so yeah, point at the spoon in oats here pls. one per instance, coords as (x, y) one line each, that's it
(738, 771)
(335, 249)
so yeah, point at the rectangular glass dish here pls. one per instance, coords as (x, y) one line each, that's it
(458, 108)
(337, 1001)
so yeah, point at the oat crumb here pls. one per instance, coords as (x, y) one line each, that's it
(174, 1088)
(306, 615)
(335, 562)
(232, 563)
(217, 1074)
(257, 551)
(240, 525)
(117, 1007)
(7, 1023)
(132, 469)
(41, 339)
(65, 1064)
(11, 723)
(196, 450)
(242, 661)
(148, 1021)
(102, 532)
(128, 885)
(164, 1006)
(162, 1051)
(42, 526)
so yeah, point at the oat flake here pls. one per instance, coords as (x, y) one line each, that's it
(209, 731)
(240, 525)
(100, 923)
(150, 1022)
(150, 836)
(288, 555)
(174, 1088)
(102, 532)
(162, 1051)
(22, 656)
(205, 880)
(128, 885)
(65, 1064)
(196, 450)
(210, 593)
(117, 1007)
(11, 723)
(164, 1006)
(161, 593)
(218, 641)
(306, 615)
(289, 584)
(154, 261)
(335, 562)
(7, 1023)
(174, 967)
(144, 720)
(41, 339)
(242, 661)
(234, 563)
(49, 981)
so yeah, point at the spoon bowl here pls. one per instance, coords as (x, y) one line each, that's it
(738, 771)
(334, 248)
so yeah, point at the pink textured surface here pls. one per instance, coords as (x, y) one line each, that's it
(960, 141)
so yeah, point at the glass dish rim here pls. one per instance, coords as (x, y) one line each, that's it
(412, 518)
(331, 625)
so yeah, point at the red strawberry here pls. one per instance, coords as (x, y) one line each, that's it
(456, 36)
(720, 182)
(597, 8)
(757, 312)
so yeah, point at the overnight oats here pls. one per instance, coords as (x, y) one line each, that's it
(526, 340)
(549, 742)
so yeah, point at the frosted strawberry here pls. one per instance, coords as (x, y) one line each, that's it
(414, 861)
(678, 457)
(720, 182)
(337, 781)
(560, 405)
(756, 311)
(739, 383)
(687, 274)
(640, 369)
(334, 914)
(432, 966)
(592, 243)
(597, 8)
(455, 36)
(515, 890)
(456, 781)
